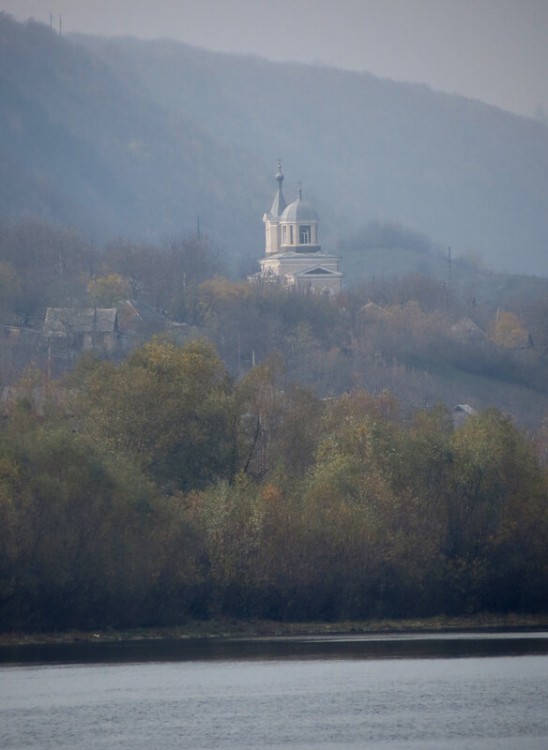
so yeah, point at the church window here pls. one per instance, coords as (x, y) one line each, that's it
(291, 235)
(304, 234)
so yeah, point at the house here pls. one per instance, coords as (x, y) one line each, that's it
(82, 330)
(461, 412)
(467, 332)
(293, 255)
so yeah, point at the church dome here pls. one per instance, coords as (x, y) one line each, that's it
(299, 211)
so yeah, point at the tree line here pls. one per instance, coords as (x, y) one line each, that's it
(162, 488)
(395, 333)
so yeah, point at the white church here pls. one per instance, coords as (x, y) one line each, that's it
(293, 255)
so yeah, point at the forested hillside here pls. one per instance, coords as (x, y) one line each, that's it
(123, 137)
(477, 338)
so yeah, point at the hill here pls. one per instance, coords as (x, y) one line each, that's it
(140, 138)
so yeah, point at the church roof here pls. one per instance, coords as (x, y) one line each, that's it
(299, 210)
(315, 255)
(279, 202)
(318, 271)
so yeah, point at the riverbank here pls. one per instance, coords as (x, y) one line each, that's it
(267, 628)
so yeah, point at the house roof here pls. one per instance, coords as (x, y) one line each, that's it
(466, 329)
(63, 321)
(464, 409)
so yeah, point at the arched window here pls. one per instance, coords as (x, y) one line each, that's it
(304, 234)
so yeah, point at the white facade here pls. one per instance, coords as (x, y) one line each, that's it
(293, 255)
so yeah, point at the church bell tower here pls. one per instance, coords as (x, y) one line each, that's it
(272, 218)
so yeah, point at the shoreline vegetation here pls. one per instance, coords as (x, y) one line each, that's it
(160, 494)
(248, 629)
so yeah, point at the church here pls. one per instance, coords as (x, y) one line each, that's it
(293, 255)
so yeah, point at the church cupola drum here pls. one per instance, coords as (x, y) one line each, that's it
(293, 255)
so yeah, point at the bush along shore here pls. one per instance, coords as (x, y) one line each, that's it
(249, 629)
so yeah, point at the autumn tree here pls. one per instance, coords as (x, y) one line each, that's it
(168, 408)
(497, 524)
(50, 267)
(71, 519)
(108, 291)
(508, 331)
(167, 276)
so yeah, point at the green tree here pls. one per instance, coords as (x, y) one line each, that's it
(168, 408)
(497, 524)
(72, 520)
(108, 291)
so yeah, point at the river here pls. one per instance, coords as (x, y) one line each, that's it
(420, 692)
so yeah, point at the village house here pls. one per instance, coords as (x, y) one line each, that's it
(82, 330)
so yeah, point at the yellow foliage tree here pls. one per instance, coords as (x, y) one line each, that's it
(508, 332)
(109, 291)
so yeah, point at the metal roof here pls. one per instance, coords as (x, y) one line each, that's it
(300, 210)
(61, 321)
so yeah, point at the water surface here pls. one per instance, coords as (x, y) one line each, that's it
(471, 692)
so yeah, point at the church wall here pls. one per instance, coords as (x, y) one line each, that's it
(301, 262)
(272, 236)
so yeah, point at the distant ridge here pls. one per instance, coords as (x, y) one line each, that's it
(139, 138)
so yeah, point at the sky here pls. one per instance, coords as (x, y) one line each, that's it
(492, 50)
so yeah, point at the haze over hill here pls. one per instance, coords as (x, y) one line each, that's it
(140, 138)
(490, 50)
